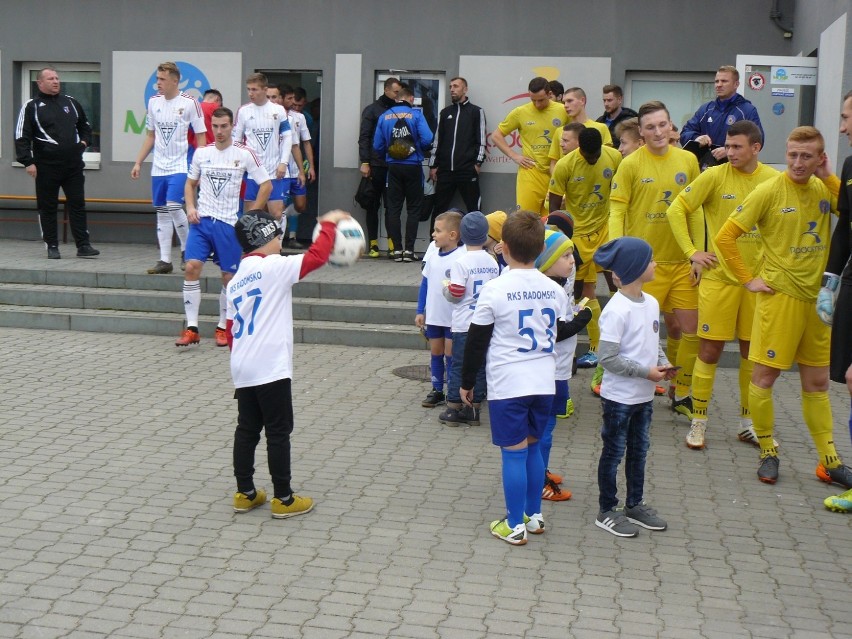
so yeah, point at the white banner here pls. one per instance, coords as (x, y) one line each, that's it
(499, 84)
(134, 81)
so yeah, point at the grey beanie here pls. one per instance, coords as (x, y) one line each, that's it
(627, 257)
(474, 229)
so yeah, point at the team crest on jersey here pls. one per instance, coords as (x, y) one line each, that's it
(180, 111)
(680, 179)
(607, 173)
(556, 122)
(656, 326)
(731, 119)
(217, 180)
(447, 273)
(167, 129)
(725, 196)
(263, 136)
(646, 180)
(824, 206)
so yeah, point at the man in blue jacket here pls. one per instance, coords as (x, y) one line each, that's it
(403, 136)
(710, 124)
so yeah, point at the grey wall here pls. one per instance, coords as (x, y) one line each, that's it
(645, 35)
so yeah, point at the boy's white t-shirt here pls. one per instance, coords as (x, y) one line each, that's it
(635, 327)
(260, 303)
(472, 270)
(523, 305)
(436, 269)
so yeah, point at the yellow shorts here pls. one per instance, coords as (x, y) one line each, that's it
(586, 245)
(672, 287)
(788, 330)
(725, 311)
(531, 190)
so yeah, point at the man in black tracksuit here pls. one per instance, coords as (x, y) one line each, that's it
(459, 151)
(51, 134)
(372, 163)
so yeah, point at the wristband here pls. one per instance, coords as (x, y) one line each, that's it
(830, 281)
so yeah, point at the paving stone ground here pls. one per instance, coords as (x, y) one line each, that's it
(115, 484)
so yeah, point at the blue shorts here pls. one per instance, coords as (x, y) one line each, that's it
(167, 188)
(434, 332)
(294, 188)
(560, 398)
(279, 188)
(212, 236)
(515, 419)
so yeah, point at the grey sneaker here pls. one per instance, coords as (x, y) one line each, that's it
(615, 522)
(643, 515)
(161, 268)
(453, 416)
(396, 256)
(767, 472)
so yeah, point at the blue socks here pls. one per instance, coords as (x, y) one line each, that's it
(515, 484)
(535, 478)
(546, 443)
(437, 368)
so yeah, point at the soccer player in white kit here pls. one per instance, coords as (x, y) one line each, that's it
(218, 169)
(264, 128)
(170, 113)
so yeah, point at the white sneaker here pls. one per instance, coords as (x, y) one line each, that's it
(695, 437)
(748, 435)
(534, 523)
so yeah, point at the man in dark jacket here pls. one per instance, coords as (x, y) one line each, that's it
(709, 126)
(459, 151)
(373, 164)
(403, 137)
(614, 110)
(51, 134)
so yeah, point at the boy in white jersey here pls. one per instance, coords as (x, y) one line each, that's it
(515, 324)
(557, 262)
(264, 128)
(170, 113)
(260, 333)
(633, 363)
(468, 275)
(218, 169)
(434, 312)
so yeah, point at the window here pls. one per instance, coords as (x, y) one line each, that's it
(682, 93)
(81, 81)
(428, 91)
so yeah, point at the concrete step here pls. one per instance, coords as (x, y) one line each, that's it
(361, 334)
(174, 282)
(158, 301)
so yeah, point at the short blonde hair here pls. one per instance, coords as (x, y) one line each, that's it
(807, 134)
(171, 68)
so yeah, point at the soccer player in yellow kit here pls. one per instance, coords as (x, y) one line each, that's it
(792, 215)
(584, 178)
(725, 308)
(647, 182)
(536, 124)
(574, 100)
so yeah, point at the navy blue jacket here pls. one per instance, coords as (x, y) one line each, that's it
(715, 117)
(419, 130)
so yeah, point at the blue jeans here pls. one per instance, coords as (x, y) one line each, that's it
(627, 427)
(454, 378)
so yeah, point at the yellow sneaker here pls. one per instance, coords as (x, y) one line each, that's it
(300, 506)
(242, 504)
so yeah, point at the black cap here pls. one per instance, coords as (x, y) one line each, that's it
(255, 229)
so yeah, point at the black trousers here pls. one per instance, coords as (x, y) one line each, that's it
(49, 179)
(841, 333)
(446, 186)
(405, 186)
(379, 178)
(268, 406)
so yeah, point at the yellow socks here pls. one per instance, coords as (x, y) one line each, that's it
(746, 369)
(686, 356)
(816, 410)
(763, 418)
(702, 387)
(672, 347)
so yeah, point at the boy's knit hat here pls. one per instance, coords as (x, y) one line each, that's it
(562, 221)
(495, 225)
(627, 257)
(255, 229)
(556, 244)
(474, 229)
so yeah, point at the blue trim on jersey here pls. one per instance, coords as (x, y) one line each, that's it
(279, 189)
(421, 296)
(167, 188)
(213, 236)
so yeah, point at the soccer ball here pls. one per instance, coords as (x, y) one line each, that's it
(348, 242)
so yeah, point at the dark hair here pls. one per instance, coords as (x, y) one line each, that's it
(614, 89)
(523, 234)
(405, 91)
(652, 107)
(391, 81)
(576, 127)
(215, 92)
(590, 141)
(555, 87)
(285, 89)
(748, 129)
(300, 93)
(537, 84)
(223, 112)
(458, 77)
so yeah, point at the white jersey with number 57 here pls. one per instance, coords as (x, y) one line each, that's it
(523, 305)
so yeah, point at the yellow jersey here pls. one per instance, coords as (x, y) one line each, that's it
(586, 188)
(643, 189)
(556, 150)
(719, 190)
(535, 129)
(794, 223)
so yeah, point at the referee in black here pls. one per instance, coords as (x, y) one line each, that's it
(51, 134)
